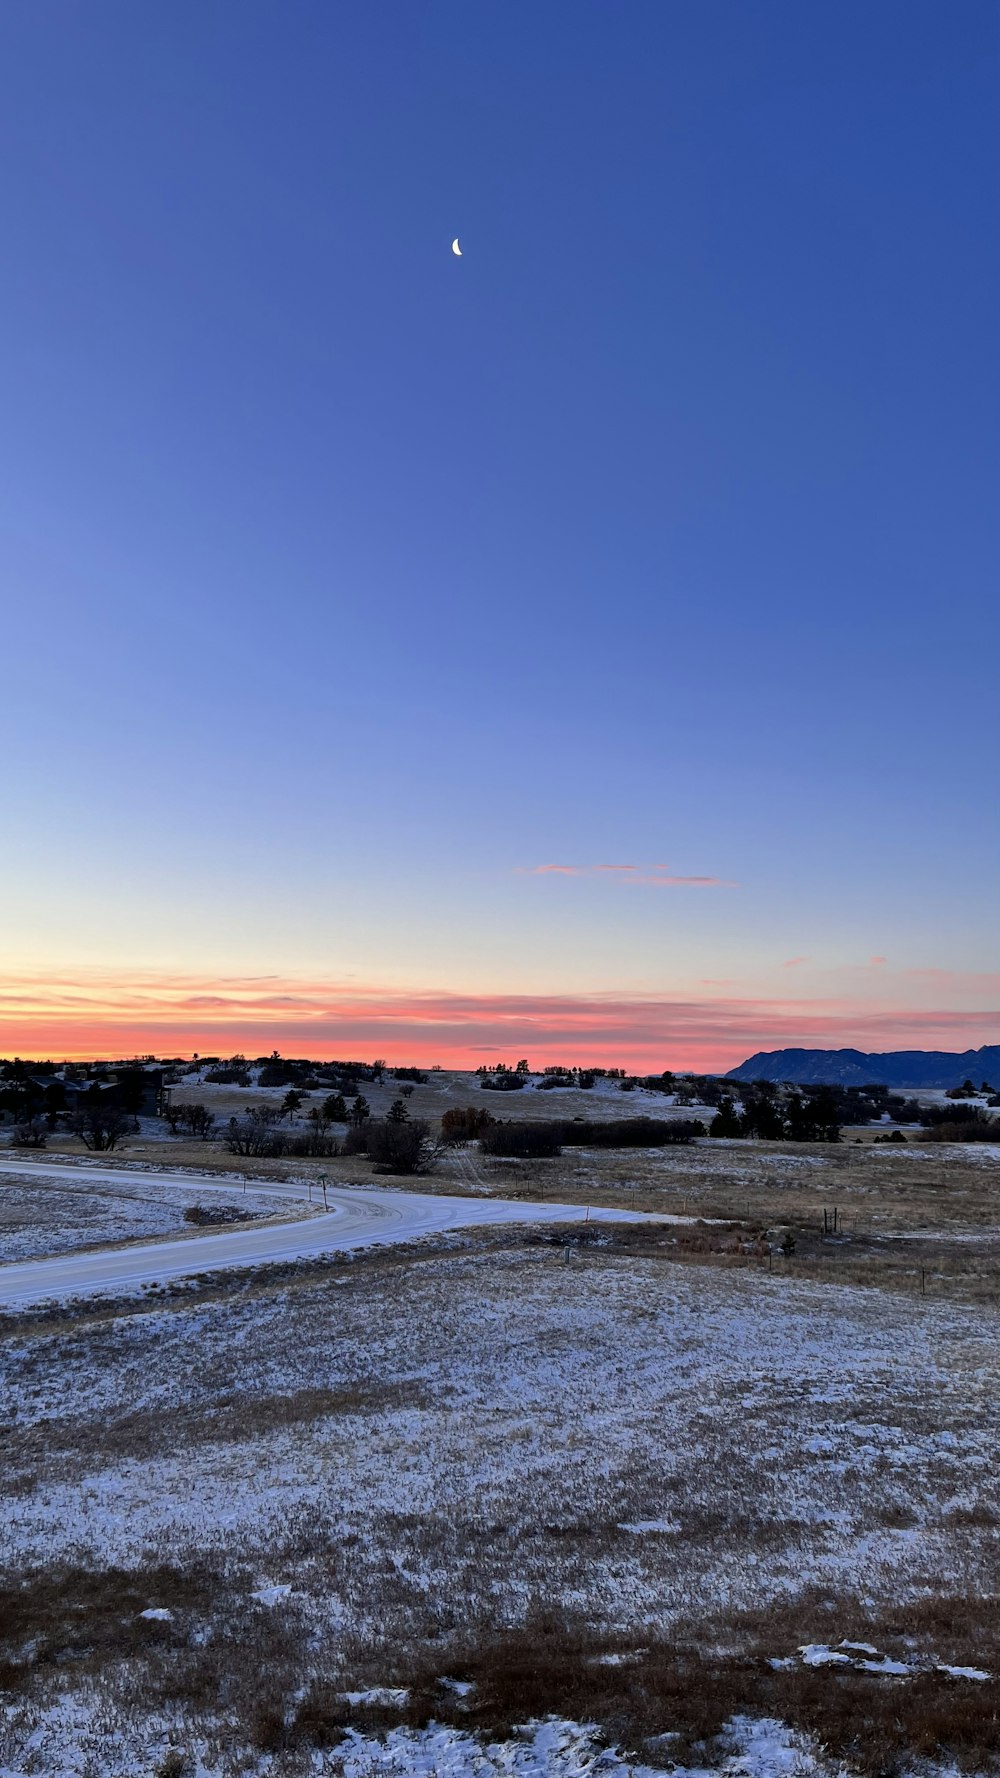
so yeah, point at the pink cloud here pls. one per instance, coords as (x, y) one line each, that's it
(651, 876)
(120, 1014)
(794, 962)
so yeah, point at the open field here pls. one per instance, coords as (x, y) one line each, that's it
(621, 1474)
(900, 1211)
(46, 1215)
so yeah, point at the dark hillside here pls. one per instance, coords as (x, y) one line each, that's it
(895, 1068)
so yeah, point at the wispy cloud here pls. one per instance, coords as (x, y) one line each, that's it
(650, 876)
(114, 1013)
(794, 962)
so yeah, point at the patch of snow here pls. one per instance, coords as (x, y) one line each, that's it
(379, 1694)
(158, 1614)
(818, 1654)
(555, 1748)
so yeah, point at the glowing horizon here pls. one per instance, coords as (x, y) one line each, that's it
(48, 1018)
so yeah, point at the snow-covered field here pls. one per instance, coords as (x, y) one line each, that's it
(375, 1469)
(43, 1214)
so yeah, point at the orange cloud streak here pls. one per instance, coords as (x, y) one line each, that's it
(113, 1015)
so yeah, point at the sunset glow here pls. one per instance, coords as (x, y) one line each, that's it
(105, 1016)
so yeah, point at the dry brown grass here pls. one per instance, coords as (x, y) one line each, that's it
(490, 1339)
(263, 1687)
(686, 1687)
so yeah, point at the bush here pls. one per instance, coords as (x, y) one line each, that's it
(255, 1134)
(174, 1764)
(465, 1122)
(276, 1074)
(213, 1216)
(316, 1143)
(31, 1134)
(395, 1147)
(965, 1129)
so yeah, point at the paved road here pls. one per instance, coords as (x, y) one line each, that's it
(355, 1218)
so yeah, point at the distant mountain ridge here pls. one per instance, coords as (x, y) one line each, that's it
(854, 1068)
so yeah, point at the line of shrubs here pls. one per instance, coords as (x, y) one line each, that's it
(965, 1124)
(543, 1138)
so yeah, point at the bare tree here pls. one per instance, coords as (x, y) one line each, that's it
(198, 1120)
(101, 1126)
(255, 1134)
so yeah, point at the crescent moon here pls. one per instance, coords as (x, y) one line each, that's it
(456, 249)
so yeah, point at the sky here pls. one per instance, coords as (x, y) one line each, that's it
(584, 648)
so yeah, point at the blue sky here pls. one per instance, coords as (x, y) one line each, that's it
(349, 582)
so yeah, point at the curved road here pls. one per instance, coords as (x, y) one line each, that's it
(355, 1218)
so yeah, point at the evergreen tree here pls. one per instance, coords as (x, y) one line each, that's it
(726, 1121)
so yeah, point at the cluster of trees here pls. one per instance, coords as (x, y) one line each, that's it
(769, 1118)
(258, 1134)
(99, 1127)
(583, 1078)
(234, 1073)
(196, 1120)
(502, 1079)
(293, 1071)
(396, 1143)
